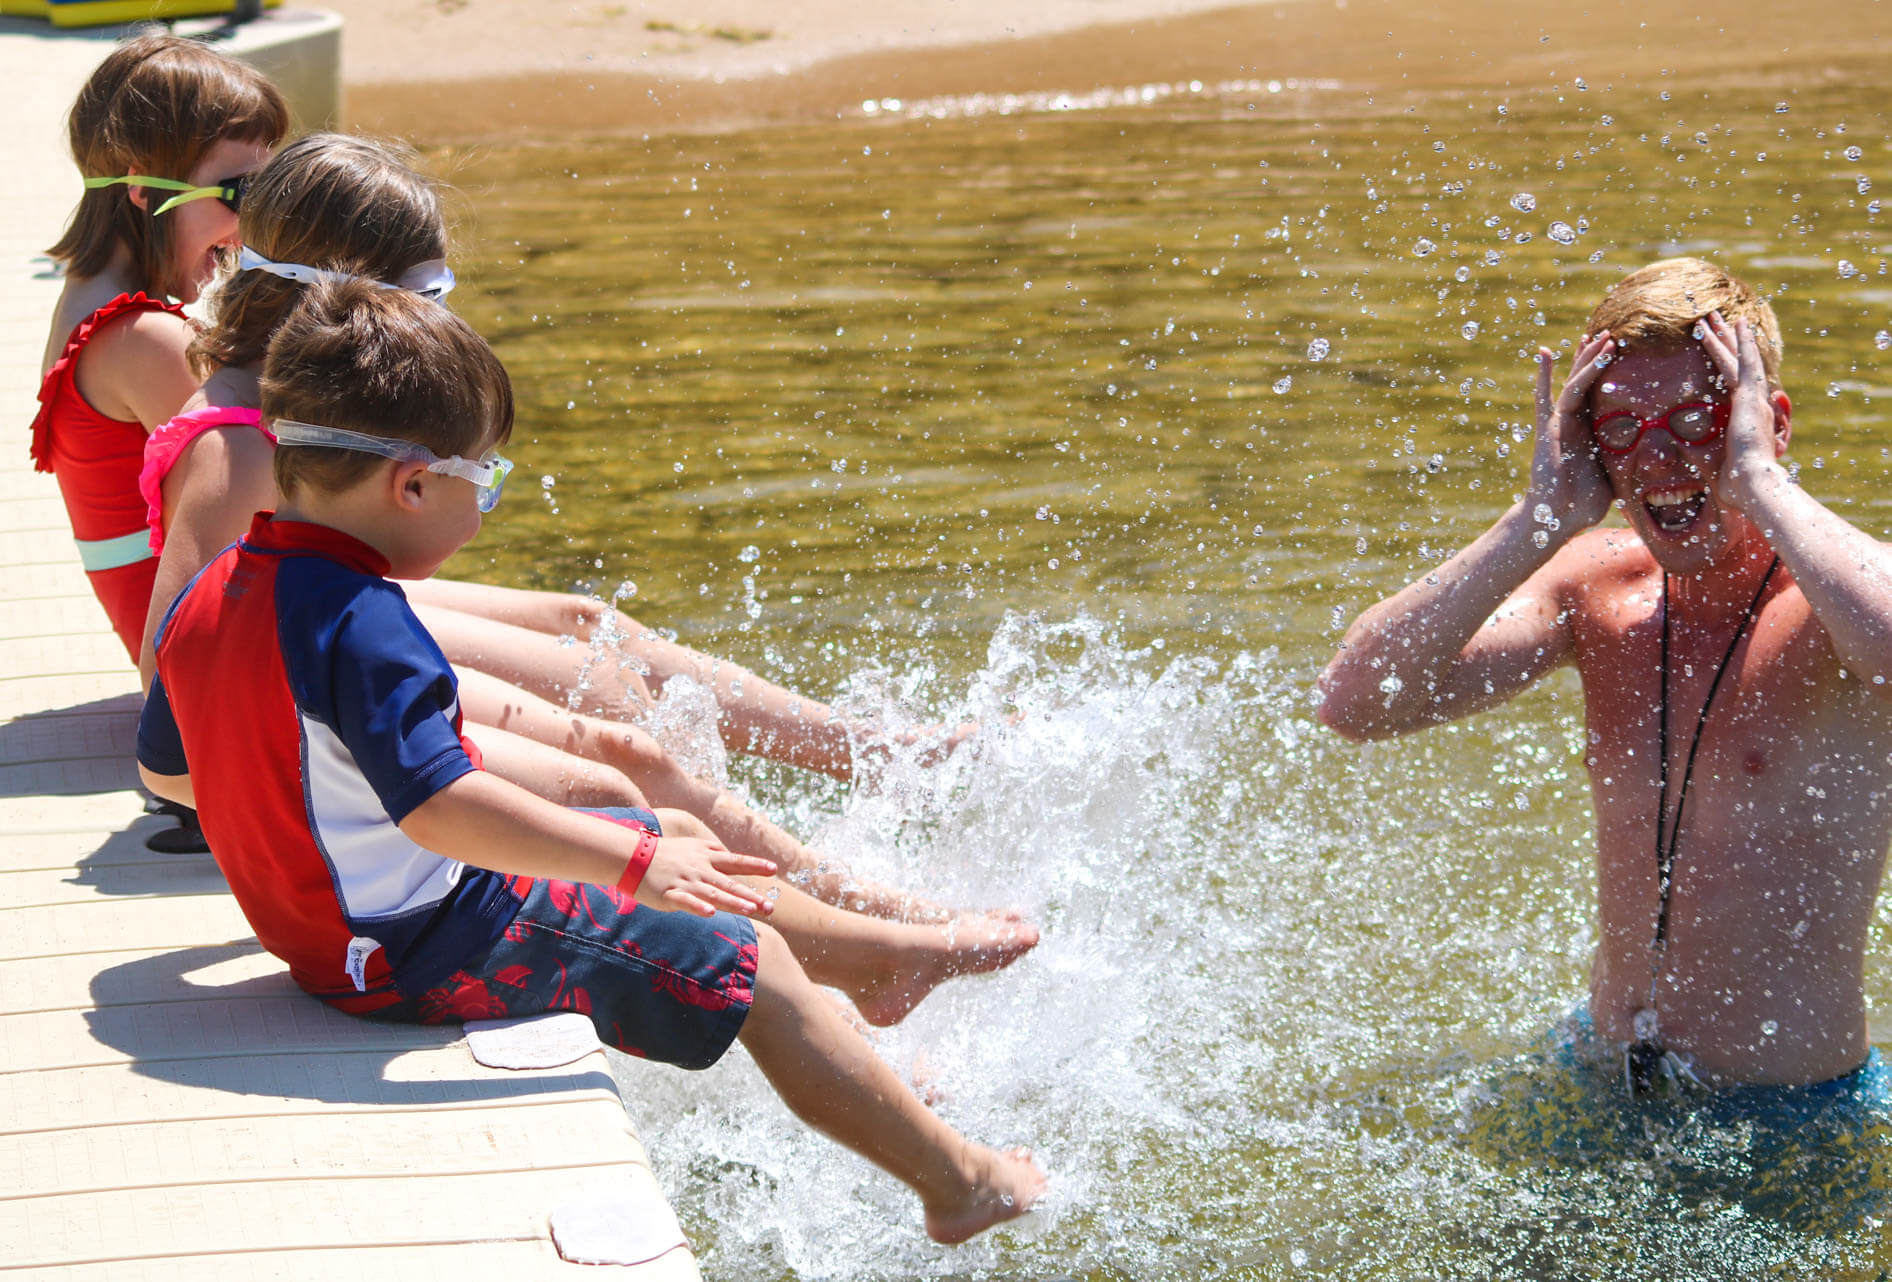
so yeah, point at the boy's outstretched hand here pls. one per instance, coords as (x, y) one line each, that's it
(691, 875)
(1565, 474)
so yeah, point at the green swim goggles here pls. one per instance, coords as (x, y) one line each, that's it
(227, 190)
(488, 474)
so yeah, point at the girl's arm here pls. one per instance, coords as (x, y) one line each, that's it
(138, 369)
(218, 481)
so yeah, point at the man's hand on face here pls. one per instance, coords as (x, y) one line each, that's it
(1566, 477)
(1751, 450)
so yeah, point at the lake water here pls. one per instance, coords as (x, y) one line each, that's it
(1110, 414)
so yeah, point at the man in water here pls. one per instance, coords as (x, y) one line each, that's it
(1735, 649)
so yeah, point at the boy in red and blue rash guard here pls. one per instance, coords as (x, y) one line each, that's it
(300, 706)
(341, 720)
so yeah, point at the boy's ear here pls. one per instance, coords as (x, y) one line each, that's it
(1783, 420)
(409, 482)
(139, 196)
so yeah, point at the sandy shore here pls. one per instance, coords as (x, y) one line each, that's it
(436, 70)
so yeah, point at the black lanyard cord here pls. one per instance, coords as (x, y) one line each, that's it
(1665, 851)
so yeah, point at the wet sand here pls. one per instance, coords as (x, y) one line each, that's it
(453, 70)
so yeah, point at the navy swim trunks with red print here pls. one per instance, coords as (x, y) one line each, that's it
(668, 986)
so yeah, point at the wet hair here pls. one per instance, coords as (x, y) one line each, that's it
(329, 201)
(1656, 307)
(382, 362)
(156, 105)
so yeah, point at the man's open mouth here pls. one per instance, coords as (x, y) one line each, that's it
(1675, 510)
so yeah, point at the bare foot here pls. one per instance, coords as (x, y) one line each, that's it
(1003, 1186)
(969, 945)
(924, 1080)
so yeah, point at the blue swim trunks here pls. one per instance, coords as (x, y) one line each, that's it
(1814, 1157)
(668, 986)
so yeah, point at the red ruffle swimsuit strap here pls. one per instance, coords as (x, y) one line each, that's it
(96, 460)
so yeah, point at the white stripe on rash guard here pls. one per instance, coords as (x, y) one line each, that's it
(379, 872)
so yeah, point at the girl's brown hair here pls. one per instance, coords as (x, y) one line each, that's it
(328, 201)
(155, 106)
(383, 362)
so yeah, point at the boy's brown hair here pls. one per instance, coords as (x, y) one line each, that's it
(155, 106)
(328, 201)
(382, 362)
(1658, 306)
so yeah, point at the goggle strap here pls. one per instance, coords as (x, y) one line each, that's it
(491, 475)
(437, 285)
(185, 191)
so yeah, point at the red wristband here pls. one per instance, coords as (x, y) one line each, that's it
(640, 862)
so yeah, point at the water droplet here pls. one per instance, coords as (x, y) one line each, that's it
(1883, 340)
(1462, 274)
(1540, 538)
(1864, 184)
(1298, 1258)
(1044, 513)
(1491, 257)
(1780, 108)
(1855, 153)
(1665, 95)
(1522, 238)
(1392, 684)
(1524, 202)
(1317, 350)
(1606, 121)
(1436, 463)
(1846, 270)
(1422, 247)
(547, 482)
(1282, 384)
(1469, 329)
(1769, 1028)
(749, 555)
(1542, 514)
(1563, 233)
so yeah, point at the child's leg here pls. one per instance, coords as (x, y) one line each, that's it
(829, 1076)
(556, 776)
(758, 717)
(659, 778)
(886, 967)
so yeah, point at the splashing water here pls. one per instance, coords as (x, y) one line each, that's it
(1257, 1054)
(1297, 1002)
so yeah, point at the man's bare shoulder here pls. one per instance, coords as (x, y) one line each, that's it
(1601, 562)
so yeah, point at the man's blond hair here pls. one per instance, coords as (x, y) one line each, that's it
(1657, 307)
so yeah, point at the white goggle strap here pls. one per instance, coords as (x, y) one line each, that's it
(431, 280)
(488, 475)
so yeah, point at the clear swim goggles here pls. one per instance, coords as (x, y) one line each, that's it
(432, 280)
(488, 475)
(227, 190)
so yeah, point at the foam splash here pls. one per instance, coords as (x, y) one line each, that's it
(1282, 980)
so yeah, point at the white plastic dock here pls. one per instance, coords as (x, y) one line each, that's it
(170, 1105)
